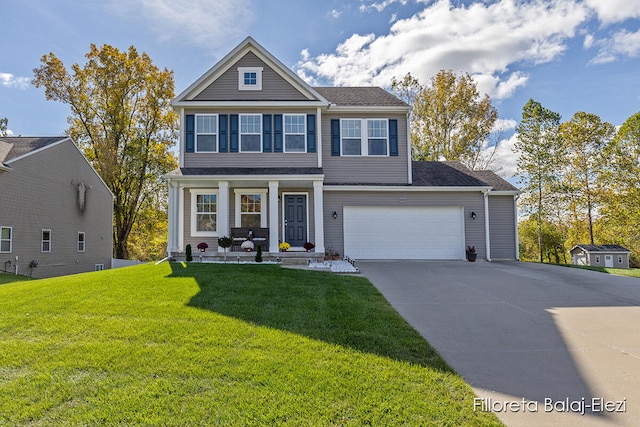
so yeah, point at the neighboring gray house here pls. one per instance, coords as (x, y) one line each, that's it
(614, 256)
(56, 213)
(329, 165)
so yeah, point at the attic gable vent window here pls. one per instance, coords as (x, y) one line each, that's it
(249, 78)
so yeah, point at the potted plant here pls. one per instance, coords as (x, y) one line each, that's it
(335, 255)
(284, 246)
(259, 254)
(202, 246)
(247, 245)
(471, 253)
(187, 253)
(308, 246)
(225, 242)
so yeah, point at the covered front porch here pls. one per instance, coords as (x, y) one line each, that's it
(205, 204)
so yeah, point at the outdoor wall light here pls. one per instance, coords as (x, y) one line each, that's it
(335, 215)
(473, 215)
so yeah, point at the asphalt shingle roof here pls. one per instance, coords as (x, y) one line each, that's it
(360, 96)
(22, 145)
(603, 248)
(441, 174)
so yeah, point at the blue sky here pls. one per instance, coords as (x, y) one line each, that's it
(571, 55)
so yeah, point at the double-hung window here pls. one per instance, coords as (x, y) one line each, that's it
(5, 239)
(250, 133)
(204, 212)
(351, 134)
(364, 137)
(206, 133)
(377, 137)
(295, 133)
(81, 241)
(46, 241)
(251, 209)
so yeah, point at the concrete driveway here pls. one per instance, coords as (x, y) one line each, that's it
(541, 345)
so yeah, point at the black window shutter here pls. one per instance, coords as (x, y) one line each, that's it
(335, 137)
(393, 137)
(277, 133)
(311, 133)
(233, 131)
(266, 133)
(222, 133)
(189, 146)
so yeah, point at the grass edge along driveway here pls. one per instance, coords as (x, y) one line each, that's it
(212, 344)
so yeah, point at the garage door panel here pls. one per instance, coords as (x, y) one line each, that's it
(403, 232)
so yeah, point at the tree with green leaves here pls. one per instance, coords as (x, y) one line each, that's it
(621, 209)
(4, 125)
(450, 120)
(540, 162)
(121, 117)
(585, 136)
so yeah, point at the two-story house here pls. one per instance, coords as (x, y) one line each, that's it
(56, 213)
(261, 148)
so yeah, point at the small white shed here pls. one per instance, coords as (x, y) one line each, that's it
(614, 256)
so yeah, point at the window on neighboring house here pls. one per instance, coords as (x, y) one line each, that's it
(351, 135)
(295, 133)
(81, 241)
(597, 259)
(99, 267)
(364, 137)
(206, 133)
(249, 78)
(204, 212)
(250, 132)
(5, 239)
(619, 259)
(46, 241)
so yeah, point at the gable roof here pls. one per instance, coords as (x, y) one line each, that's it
(498, 183)
(247, 45)
(601, 248)
(19, 146)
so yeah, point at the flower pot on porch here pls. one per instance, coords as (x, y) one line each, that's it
(472, 257)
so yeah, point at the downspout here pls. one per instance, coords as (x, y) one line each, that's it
(486, 224)
(409, 149)
(515, 216)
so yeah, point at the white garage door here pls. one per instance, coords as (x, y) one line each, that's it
(403, 232)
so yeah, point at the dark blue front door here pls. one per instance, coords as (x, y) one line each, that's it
(295, 219)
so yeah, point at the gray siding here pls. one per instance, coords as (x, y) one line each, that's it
(274, 87)
(365, 170)
(248, 160)
(336, 200)
(41, 193)
(501, 227)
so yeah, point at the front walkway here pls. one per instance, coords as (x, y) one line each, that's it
(538, 343)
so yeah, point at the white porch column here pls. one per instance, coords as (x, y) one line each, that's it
(318, 215)
(486, 224)
(274, 229)
(172, 240)
(180, 217)
(223, 211)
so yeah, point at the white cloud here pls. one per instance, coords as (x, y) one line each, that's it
(9, 80)
(482, 39)
(611, 11)
(381, 5)
(505, 158)
(622, 43)
(588, 41)
(335, 13)
(208, 23)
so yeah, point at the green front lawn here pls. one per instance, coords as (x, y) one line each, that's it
(211, 344)
(630, 272)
